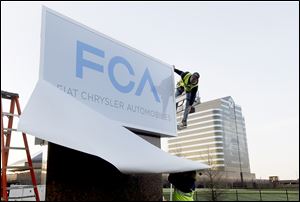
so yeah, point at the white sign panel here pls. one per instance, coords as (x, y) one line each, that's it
(118, 81)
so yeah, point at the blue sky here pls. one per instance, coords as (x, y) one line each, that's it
(247, 50)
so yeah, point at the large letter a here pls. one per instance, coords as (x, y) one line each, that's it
(147, 77)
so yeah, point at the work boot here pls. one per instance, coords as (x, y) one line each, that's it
(183, 124)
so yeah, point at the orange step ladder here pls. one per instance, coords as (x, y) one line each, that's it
(5, 147)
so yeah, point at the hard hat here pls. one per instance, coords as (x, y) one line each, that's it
(194, 78)
(196, 74)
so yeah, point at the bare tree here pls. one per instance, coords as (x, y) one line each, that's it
(214, 179)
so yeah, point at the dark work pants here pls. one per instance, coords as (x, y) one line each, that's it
(179, 91)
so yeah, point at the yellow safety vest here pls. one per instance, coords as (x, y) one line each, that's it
(181, 196)
(185, 83)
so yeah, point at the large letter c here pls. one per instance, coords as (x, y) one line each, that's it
(111, 66)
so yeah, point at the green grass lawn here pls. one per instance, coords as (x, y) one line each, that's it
(244, 195)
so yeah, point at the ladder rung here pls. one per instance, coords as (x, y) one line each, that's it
(20, 187)
(20, 197)
(10, 129)
(17, 148)
(9, 114)
(19, 167)
(7, 131)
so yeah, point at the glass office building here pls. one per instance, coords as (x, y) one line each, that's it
(215, 135)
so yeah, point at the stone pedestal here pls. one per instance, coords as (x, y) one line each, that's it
(76, 176)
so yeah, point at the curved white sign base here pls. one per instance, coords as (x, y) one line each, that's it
(57, 117)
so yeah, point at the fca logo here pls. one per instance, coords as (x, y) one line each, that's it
(81, 62)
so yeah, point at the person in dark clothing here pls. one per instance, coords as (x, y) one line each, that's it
(189, 84)
(184, 184)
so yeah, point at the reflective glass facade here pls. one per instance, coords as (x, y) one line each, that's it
(216, 135)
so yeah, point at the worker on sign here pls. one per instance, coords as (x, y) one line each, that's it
(189, 84)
